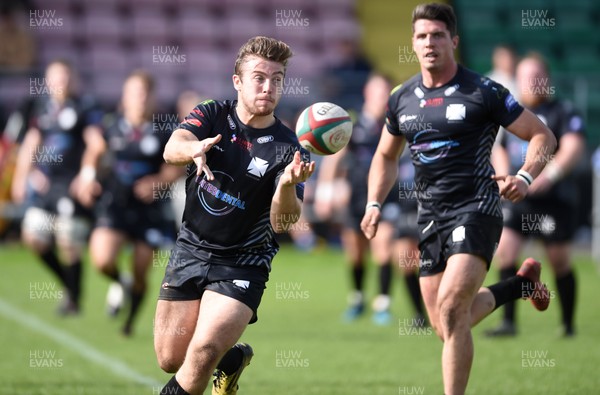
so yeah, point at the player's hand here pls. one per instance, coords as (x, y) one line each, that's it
(513, 188)
(85, 191)
(144, 188)
(297, 171)
(199, 150)
(370, 222)
(540, 185)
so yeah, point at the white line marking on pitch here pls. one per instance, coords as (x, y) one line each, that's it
(82, 348)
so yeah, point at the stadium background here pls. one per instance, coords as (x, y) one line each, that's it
(107, 39)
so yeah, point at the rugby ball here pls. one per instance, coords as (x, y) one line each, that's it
(324, 128)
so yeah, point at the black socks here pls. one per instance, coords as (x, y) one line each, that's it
(136, 300)
(511, 289)
(385, 278)
(566, 291)
(414, 290)
(173, 388)
(509, 307)
(73, 280)
(358, 275)
(51, 260)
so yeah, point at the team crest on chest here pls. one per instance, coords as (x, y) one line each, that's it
(456, 112)
(257, 167)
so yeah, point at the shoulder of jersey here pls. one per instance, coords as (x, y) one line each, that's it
(211, 103)
(479, 80)
(400, 88)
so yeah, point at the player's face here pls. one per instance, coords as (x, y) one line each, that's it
(433, 45)
(259, 85)
(377, 93)
(58, 78)
(532, 81)
(135, 97)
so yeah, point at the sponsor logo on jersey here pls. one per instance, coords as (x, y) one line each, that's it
(430, 151)
(405, 118)
(257, 167)
(419, 92)
(456, 112)
(216, 201)
(192, 121)
(264, 139)
(450, 90)
(198, 112)
(231, 123)
(218, 148)
(241, 142)
(431, 102)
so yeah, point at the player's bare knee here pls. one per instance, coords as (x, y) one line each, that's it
(452, 314)
(168, 362)
(205, 354)
(438, 330)
(169, 359)
(38, 244)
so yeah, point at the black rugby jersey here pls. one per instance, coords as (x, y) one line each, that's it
(366, 133)
(134, 152)
(59, 154)
(450, 131)
(230, 215)
(561, 118)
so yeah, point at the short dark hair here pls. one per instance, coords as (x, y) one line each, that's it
(436, 12)
(266, 48)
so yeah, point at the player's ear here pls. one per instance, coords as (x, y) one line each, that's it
(237, 82)
(455, 41)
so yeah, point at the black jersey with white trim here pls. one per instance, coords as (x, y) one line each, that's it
(230, 215)
(450, 131)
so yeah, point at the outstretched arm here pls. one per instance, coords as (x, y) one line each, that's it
(286, 207)
(184, 148)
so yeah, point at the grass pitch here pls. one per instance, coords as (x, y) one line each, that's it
(301, 344)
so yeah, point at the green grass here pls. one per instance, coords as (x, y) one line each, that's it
(301, 326)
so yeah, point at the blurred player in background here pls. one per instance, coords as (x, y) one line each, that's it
(245, 182)
(550, 210)
(135, 205)
(406, 233)
(54, 176)
(450, 116)
(504, 62)
(353, 162)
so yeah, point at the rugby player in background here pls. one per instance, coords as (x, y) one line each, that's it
(134, 206)
(55, 177)
(549, 212)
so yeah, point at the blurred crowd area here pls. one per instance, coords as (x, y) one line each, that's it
(189, 47)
